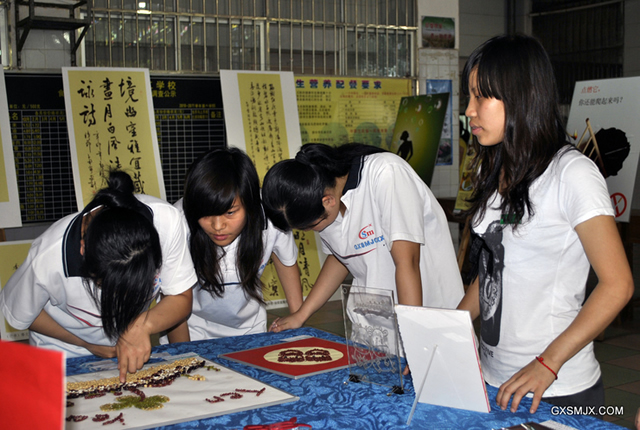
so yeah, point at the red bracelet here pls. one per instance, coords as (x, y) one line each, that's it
(541, 361)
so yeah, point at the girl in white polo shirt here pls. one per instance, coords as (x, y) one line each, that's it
(542, 215)
(377, 219)
(87, 282)
(231, 243)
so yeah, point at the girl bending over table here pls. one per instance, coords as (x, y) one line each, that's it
(87, 282)
(231, 243)
(377, 219)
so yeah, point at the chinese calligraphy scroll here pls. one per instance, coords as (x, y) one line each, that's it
(261, 118)
(9, 201)
(111, 126)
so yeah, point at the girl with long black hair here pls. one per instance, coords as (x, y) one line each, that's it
(377, 220)
(87, 282)
(541, 215)
(231, 243)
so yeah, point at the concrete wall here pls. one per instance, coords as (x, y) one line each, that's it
(479, 20)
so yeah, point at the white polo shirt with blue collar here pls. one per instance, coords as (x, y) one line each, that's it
(387, 201)
(49, 278)
(236, 313)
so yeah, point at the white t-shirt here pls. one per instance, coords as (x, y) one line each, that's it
(537, 275)
(235, 313)
(49, 278)
(387, 201)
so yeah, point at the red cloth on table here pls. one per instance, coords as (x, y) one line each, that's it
(32, 391)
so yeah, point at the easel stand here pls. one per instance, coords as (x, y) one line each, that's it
(590, 146)
(442, 354)
(424, 379)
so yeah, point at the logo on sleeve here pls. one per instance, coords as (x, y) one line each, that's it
(368, 237)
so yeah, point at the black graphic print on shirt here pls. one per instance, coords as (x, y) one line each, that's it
(491, 266)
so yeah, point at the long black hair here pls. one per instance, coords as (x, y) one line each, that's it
(212, 184)
(122, 254)
(516, 70)
(292, 190)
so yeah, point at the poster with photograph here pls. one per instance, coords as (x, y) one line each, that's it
(338, 110)
(603, 123)
(438, 32)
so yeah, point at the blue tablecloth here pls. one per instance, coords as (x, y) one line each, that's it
(327, 403)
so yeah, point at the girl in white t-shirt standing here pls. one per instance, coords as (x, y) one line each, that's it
(541, 215)
(231, 243)
(377, 220)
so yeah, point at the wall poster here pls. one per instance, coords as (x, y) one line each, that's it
(9, 200)
(261, 118)
(111, 124)
(12, 255)
(418, 131)
(337, 110)
(438, 32)
(603, 123)
(445, 148)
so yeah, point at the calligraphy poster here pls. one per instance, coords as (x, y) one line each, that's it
(337, 110)
(12, 254)
(261, 118)
(612, 108)
(111, 125)
(9, 199)
(310, 259)
(261, 115)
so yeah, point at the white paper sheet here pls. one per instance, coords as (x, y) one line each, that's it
(187, 399)
(454, 377)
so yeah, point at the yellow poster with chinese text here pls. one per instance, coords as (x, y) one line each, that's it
(261, 115)
(12, 254)
(338, 110)
(9, 198)
(309, 263)
(261, 118)
(111, 126)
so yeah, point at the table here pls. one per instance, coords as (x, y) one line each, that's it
(326, 402)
